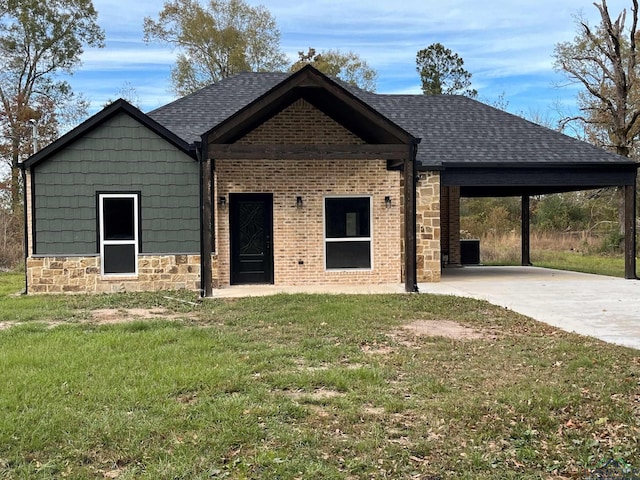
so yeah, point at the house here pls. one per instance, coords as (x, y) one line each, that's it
(286, 179)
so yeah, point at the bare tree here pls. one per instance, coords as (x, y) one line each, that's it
(604, 62)
(37, 40)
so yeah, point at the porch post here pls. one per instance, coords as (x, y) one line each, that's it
(525, 232)
(630, 231)
(410, 247)
(206, 221)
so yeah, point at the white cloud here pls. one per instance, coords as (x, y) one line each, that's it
(123, 58)
(507, 46)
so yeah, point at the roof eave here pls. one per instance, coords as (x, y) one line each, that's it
(588, 164)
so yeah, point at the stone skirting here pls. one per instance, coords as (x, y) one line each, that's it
(82, 274)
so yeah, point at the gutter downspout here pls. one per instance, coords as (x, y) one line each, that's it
(198, 150)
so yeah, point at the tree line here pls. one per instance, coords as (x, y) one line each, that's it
(219, 38)
(214, 40)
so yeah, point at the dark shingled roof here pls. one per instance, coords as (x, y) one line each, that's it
(455, 130)
(459, 130)
(191, 116)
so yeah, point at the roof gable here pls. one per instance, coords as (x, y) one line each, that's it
(312, 126)
(118, 107)
(326, 95)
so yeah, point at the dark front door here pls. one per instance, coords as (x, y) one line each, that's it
(251, 229)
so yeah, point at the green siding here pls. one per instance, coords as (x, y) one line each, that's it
(120, 155)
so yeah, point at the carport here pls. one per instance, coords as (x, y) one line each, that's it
(524, 181)
(486, 152)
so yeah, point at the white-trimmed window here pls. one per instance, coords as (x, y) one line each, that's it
(347, 233)
(118, 233)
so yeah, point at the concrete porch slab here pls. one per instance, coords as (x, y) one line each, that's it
(263, 290)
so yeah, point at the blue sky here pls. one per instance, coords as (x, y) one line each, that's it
(506, 45)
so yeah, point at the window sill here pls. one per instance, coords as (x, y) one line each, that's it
(119, 277)
(348, 270)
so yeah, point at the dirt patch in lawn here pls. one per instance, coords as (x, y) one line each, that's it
(106, 316)
(112, 316)
(317, 395)
(442, 328)
(406, 334)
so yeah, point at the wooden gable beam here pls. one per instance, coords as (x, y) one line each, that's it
(235, 151)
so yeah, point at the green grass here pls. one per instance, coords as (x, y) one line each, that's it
(610, 265)
(304, 386)
(579, 262)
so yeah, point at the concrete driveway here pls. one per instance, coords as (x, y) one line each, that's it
(607, 308)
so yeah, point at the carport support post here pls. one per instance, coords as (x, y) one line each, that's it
(526, 232)
(630, 231)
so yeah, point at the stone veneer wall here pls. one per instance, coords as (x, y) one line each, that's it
(82, 274)
(428, 227)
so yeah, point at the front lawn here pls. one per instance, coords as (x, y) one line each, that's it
(304, 386)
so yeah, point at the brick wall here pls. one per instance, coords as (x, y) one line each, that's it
(301, 123)
(298, 241)
(451, 224)
(298, 234)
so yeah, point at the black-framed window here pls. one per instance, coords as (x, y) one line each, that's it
(119, 227)
(347, 233)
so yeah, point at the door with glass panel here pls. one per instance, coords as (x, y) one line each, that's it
(251, 232)
(118, 233)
